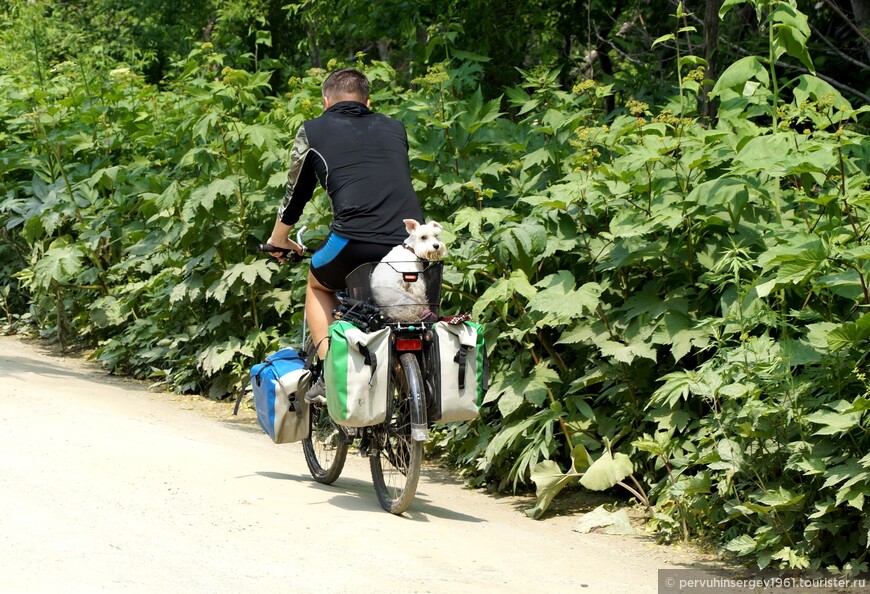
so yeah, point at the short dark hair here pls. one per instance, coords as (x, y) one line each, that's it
(347, 81)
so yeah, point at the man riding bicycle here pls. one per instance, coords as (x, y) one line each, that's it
(361, 159)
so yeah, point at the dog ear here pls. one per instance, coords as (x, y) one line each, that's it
(410, 225)
(436, 225)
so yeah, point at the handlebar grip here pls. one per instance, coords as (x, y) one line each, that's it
(269, 248)
(287, 253)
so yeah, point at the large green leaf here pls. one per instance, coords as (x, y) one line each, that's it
(629, 351)
(108, 311)
(741, 545)
(809, 87)
(607, 471)
(247, 273)
(616, 522)
(737, 74)
(678, 385)
(475, 219)
(549, 481)
(204, 197)
(524, 241)
(515, 388)
(791, 30)
(58, 264)
(731, 456)
(834, 422)
(847, 473)
(170, 197)
(218, 355)
(766, 153)
(261, 136)
(781, 498)
(504, 290)
(850, 334)
(559, 301)
(792, 263)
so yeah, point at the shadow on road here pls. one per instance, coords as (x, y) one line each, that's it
(243, 424)
(422, 509)
(282, 476)
(357, 495)
(13, 366)
(18, 366)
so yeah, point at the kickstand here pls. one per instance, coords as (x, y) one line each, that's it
(241, 395)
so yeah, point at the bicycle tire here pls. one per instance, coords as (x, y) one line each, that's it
(326, 446)
(396, 467)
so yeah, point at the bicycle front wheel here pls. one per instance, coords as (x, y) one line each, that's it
(396, 467)
(325, 448)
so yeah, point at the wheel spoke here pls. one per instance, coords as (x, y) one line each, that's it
(326, 446)
(396, 467)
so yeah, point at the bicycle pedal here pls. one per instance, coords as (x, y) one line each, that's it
(364, 446)
(348, 435)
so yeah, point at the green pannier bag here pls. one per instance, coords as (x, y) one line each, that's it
(461, 371)
(357, 375)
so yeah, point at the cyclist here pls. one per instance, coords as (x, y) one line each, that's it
(361, 159)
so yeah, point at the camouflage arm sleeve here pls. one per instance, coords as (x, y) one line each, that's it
(301, 180)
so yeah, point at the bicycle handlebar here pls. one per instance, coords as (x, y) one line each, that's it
(289, 254)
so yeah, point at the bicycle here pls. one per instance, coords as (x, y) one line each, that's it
(395, 446)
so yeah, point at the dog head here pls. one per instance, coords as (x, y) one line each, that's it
(425, 239)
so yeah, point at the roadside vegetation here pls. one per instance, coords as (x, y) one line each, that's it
(668, 249)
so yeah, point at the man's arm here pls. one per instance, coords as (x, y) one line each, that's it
(280, 238)
(301, 181)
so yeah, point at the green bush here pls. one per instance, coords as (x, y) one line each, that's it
(672, 307)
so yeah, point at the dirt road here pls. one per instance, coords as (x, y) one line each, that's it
(107, 487)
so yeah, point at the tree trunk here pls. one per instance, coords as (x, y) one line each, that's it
(384, 50)
(314, 49)
(861, 9)
(711, 36)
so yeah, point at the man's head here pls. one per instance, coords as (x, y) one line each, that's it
(347, 84)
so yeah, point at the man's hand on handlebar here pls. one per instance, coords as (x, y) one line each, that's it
(282, 248)
(286, 247)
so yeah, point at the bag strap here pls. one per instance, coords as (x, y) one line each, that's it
(309, 360)
(370, 359)
(460, 358)
(294, 400)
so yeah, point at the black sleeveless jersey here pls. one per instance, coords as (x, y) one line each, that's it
(361, 159)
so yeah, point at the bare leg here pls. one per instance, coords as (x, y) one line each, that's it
(319, 303)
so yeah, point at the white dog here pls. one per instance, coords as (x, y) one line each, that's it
(395, 287)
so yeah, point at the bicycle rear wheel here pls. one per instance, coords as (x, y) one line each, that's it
(325, 448)
(396, 467)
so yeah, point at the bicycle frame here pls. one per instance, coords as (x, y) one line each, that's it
(395, 446)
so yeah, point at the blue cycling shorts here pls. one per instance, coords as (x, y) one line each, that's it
(338, 256)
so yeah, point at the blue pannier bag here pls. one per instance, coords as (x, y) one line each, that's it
(279, 385)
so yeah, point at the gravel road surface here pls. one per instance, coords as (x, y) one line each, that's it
(106, 486)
